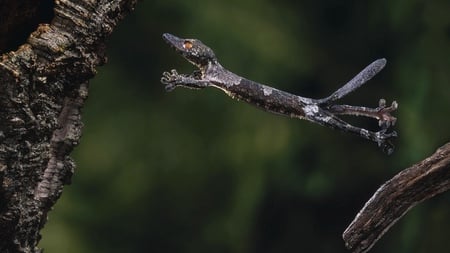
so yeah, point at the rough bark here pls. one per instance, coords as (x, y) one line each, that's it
(43, 86)
(396, 197)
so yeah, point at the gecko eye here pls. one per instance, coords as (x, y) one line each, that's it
(187, 44)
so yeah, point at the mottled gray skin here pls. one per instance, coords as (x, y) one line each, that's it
(211, 74)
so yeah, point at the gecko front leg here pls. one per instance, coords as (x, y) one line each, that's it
(193, 81)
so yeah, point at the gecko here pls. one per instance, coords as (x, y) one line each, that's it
(325, 111)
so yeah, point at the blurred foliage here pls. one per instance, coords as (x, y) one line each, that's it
(194, 171)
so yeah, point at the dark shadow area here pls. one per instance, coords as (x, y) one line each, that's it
(19, 18)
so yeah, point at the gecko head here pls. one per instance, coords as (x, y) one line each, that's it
(192, 50)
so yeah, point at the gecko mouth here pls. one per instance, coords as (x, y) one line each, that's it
(174, 41)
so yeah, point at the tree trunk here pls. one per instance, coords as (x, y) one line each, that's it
(43, 86)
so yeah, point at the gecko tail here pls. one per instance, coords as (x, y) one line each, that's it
(361, 78)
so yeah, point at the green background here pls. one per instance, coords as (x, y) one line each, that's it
(194, 171)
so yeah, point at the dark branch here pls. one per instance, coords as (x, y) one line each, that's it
(321, 111)
(396, 197)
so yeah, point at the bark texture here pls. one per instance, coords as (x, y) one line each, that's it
(43, 86)
(396, 197)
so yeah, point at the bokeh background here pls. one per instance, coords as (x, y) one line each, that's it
(194, 171)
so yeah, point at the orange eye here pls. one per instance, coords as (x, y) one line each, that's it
(187, 44)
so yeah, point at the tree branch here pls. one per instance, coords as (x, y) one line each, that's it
(43, 86)
(396, 197)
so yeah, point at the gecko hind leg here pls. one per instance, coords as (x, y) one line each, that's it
(382, 113)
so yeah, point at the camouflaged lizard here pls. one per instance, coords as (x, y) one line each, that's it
(322, 111)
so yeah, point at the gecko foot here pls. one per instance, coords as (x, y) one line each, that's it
(171, 79)
(386, 120)
(383, 140)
